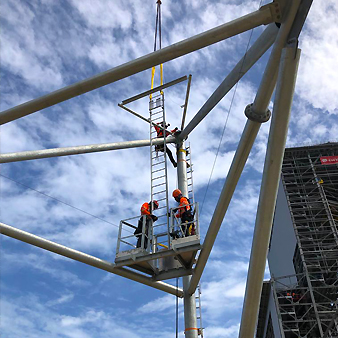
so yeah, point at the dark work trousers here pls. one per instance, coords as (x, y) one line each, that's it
(138, 233)
(169, 153)
(186, 220)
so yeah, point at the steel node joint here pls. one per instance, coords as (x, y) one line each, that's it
(275, 11)
(256, 117)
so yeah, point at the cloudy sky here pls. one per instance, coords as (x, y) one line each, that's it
(46, 45)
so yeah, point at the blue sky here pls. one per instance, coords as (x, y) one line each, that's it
(46, 45)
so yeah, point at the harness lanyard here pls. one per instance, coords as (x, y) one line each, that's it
(157, 27)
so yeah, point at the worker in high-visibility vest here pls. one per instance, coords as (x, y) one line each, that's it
(147, 213)
(184, 212)
(160, 147)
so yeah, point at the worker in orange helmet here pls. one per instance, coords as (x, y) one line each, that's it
(184, 212)
(147, 212)
(160, 147)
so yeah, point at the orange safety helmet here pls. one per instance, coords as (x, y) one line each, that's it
(177, 192)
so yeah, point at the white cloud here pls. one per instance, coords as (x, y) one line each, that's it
(158, 305)
(61, 300)
(317, 79)
(222, 332)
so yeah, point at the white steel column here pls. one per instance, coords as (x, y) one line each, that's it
(45, 153)
(255, 118)
(267, 199)
(190, 317)
(265, 15)
(268, 82)
(85, 258)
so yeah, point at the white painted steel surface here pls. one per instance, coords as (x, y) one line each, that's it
(45, 153)
(260, 46)
(268, 82)
(190, 316)
(268, 193)
(85, 258)
(243, 150)
(263, 16)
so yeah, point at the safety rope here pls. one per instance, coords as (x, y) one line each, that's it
(56, 199)
(157, 29)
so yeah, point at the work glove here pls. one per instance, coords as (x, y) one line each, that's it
(155, 218)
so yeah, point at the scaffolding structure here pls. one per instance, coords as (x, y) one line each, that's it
(308, 306)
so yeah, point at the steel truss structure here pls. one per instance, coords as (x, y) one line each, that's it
(280, 73)
(309, 306)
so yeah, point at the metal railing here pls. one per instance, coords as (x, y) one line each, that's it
(140, 232)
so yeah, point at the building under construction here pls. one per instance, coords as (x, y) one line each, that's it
(300, 300)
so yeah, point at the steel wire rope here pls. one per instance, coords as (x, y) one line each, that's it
(226, 120)
(56, 199)
(177, 307)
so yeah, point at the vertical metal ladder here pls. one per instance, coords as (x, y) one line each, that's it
(199, 310)
(190, 170)
(158, 166)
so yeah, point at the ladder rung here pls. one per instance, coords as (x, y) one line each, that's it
(161, 155)
(156, 113)
(162, 208)
(158, 185)
(156, 193)
(157, 170)
(161, 199)
(156, 178)
(157, 118)
(158, 163)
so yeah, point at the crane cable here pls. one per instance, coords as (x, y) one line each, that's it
(177, 307)
(157, 29)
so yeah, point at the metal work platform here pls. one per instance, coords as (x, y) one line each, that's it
(163, 255)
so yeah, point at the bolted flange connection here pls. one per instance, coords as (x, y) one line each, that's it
(251, 115)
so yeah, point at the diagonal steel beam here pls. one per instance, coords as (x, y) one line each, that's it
(154, 90)
(134, 113)
(261, 45)
(45, 153)
(266, 14)
(87, 259)
(186, 102)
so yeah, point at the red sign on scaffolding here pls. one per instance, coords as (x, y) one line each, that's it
(329, 160)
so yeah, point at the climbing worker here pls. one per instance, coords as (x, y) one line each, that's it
(146, 211)
(184, 212)
(160, 147)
